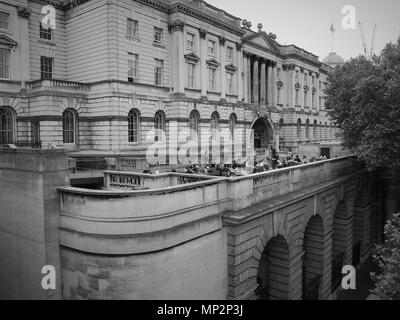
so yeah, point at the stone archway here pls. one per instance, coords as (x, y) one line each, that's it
(313, 258)
(263, 135)
(273, 271)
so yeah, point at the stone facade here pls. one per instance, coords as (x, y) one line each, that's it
(105, 56)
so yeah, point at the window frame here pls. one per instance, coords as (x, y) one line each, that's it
(190, 67)
(7, 14)
(134, 58)
(157, 30)
(215, 117)
(134, 126)
(212, 71)
(194, 123)
(160, 120)
(42, 59)
(134, 27)
(67, 130)
(45, 34)
(213, 47)
(158, 72)
(230, 89)
(229, 49)
(193, 47)
(9, 115)
(7, 67)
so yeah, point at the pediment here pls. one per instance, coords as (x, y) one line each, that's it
(213, 63)
(192, 57)
(4, 40)
(231, 67)
(262, 39)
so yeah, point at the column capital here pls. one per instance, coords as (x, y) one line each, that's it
(222, 40)
(176, 25)
(23, 12)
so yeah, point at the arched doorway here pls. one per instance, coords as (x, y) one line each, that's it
(263, 135)
(313, 258)
(273, 271)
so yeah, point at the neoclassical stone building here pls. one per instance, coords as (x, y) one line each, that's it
(111, 71)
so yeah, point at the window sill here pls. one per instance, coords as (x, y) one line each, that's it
(192, 89)
(132, 38)
(47, 42)
(158, 45)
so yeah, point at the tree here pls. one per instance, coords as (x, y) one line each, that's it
(363, 98)
(387, 284)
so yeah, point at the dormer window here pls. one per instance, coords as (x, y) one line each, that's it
(4, 21)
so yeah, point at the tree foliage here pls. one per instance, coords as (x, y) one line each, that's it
(363, 98)
(387, 283)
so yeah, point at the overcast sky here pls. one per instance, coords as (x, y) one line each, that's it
(306, 23)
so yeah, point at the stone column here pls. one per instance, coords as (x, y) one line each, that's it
(222, 50)
(293, 89)
(245, 78)
(249, 80)
(255, 82)
(203, 64)
(24, 61)
(270, 92)
(178, 63)
(273, 84)
(239, 72)
(263, 83)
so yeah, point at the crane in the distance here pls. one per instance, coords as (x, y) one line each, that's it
(368, 53)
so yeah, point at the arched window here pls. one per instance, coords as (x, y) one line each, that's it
(299, 128)
(69, 126)
(308, 129)
(159, 123)
(6, 125)
(133, 125)
(315, 129)
(194, 119)
(214, 121)
(232, 124)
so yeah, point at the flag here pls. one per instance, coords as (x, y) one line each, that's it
(332, 28)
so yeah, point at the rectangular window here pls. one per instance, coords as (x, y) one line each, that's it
(297, 76)
(305, 79)
(132, 67)
(158, 72)
(313, 100)
(313, 81)
(211, 47)
(229, 83)
(229, 53)
(4, 21)
(191, 71)
(5, 63)
(211, 79)
(297, 97)
(190, 40)
(305, 98)
(46, 68)
(132, 28)
(45, 33)
(158, 35)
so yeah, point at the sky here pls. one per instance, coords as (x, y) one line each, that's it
(307, 23)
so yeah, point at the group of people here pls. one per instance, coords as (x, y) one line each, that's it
(235, 168)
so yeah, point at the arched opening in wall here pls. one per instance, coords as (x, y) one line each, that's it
(361, 227)
(7, 125)
(340, 238)
(263, 134)
(273, 271)
(313, 258)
